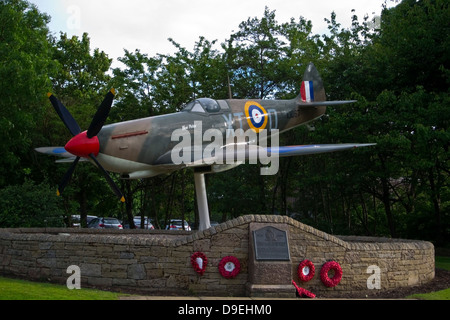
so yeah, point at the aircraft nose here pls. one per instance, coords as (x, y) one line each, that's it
(82, 146)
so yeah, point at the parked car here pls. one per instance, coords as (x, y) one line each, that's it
(137, 222)
(176, 224)
(76, 223)
(105, 223)
(214, 223)
(89, 219)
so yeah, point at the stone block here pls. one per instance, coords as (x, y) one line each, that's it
(91, 270)
(136, 272)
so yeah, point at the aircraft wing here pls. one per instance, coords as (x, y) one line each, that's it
(287, 151)
(55, 151)
(254, 153)
(58, 152)
(234, 154)
(223, 158)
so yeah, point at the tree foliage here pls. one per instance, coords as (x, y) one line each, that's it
(397, 69)
(30, 205)
(23, 75)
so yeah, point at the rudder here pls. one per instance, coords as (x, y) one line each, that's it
(312, 88)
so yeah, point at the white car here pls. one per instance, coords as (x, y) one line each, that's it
(147, 224)
(176, 224)
(76, 220)
(105, 223)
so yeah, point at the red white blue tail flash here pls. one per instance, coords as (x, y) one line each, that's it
(307, 91)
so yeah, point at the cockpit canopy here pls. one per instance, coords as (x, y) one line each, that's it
(202, 105)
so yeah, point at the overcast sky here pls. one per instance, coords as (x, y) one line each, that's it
(147, 24)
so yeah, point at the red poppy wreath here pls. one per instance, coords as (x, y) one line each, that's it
(199, 262)
(306, 270)
(334, 281)
(229, 267)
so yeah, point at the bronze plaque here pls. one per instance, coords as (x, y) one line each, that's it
(271, 244)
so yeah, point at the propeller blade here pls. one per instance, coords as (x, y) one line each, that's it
(101, 115)
(67, 176)
(65, 115)
(111, 183)
(96, 125)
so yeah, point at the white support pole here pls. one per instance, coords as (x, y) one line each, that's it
(202, 201)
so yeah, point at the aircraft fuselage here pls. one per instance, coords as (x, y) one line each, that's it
(145, 145)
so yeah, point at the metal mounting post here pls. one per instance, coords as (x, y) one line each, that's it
(202, 201)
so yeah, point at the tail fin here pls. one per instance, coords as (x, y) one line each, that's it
(312, 91)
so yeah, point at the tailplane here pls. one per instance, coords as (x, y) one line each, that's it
(312, 91)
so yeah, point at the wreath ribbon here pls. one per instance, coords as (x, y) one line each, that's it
(303, 292)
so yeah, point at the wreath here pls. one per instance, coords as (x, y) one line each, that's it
(306, 270)
(199, 262)
(326, 280)
(229, 267)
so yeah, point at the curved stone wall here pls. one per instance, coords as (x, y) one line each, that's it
(159, 262)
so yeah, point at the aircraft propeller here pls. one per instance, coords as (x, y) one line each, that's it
(85, 144)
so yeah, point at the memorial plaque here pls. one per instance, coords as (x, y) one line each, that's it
(271, 244)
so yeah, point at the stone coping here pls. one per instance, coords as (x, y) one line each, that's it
(175, 238)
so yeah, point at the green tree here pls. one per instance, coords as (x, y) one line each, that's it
(25, 61)
(30, 205)
(415, 37)
(406, 175)
(204, 68)
(80, 81)
(254, 54)
(137, 87)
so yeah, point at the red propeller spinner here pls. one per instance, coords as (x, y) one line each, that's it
(83, 146)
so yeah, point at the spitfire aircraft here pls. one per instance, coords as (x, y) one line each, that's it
(204, 135)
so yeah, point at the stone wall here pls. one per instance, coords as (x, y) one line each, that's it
(159, 262)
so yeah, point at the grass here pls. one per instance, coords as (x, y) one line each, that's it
(15, 289)
(441, 262)
(438, 295)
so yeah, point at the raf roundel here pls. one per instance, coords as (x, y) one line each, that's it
(256, 116)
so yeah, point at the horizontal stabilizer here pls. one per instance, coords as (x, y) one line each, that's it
(323, 103)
